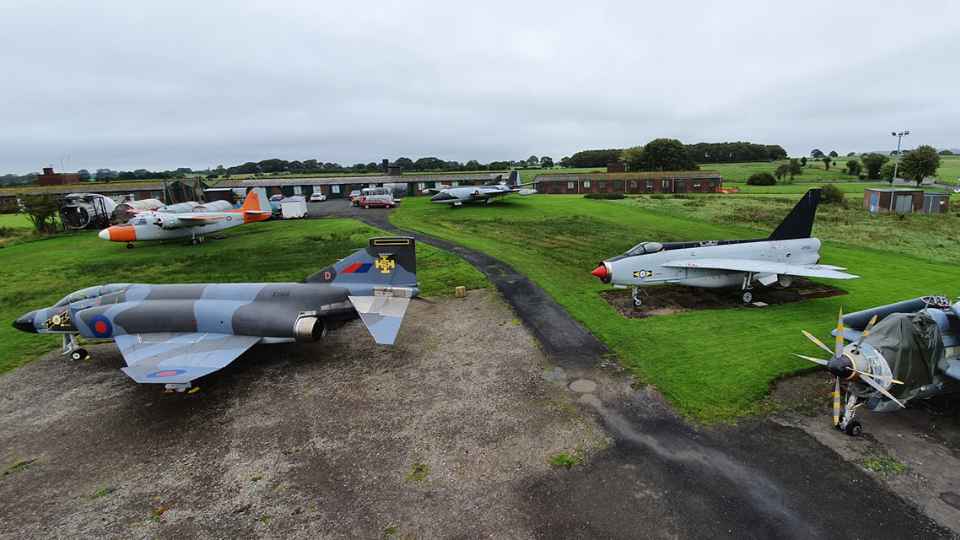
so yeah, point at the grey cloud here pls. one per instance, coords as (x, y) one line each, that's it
(127, 85)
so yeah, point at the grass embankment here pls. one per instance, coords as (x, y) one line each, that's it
(713, 365)
(38, 273)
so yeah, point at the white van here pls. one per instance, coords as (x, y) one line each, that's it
(376, 197)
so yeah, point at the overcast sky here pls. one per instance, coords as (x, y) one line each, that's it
(137, 84)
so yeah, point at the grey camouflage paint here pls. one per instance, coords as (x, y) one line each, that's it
(198, 320)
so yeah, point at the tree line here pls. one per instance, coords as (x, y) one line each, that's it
(725, 152)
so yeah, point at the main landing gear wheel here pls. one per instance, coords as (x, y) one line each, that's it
(747, 297)
(79, 354)
(853, 429)
(637, 300)
(129, 245)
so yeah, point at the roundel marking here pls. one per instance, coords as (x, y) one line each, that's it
(101, 326)
(166, 373)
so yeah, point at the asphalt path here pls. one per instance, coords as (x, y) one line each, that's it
(661, 476)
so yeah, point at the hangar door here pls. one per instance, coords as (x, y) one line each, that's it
(903, 204)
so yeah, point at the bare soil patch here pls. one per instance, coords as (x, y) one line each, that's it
(670, 299)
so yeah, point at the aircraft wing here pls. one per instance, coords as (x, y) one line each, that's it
(179, 358)
(381, 315)
(177, 221)
(764, 267)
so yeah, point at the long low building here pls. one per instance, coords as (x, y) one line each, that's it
(341, 186)
(178, 191)
(631, 182)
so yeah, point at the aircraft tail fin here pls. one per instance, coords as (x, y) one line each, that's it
(799, 222)
(385, 262)
(255, 201)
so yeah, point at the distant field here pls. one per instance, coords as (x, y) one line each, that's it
(38, 273)
(802, 187)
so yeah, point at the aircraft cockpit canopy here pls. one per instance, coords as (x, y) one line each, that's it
(90, 292)
(644, 248)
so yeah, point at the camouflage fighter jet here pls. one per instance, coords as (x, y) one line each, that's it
(160, 225)
(459, 195)
(174, 334)
(789, 251)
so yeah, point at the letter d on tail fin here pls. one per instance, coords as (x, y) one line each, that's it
(799, 222)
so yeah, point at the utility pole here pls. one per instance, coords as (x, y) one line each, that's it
(896, 164)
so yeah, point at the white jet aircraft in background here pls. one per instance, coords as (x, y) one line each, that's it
(161, 225)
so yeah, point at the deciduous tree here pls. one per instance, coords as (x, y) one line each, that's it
(872, 163)
(919, 163)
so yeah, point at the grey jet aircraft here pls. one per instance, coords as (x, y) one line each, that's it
(789, 251)
(460, 195)
(914, 344)
(175, 334)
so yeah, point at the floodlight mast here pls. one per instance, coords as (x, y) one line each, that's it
(896, 164)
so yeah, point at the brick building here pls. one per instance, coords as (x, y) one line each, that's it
(631, 182)
(50, 178)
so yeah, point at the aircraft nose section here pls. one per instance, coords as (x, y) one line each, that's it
(25, 323)
(104, 234)
(442, 196)
(840, 367)
(602, 272)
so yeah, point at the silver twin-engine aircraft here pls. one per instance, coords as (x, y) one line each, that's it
(174, 334)
(789, 251)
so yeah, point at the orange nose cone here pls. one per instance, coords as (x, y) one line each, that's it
(600, 271)
(120, 233)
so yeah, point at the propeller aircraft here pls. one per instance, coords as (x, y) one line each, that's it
(896, 353)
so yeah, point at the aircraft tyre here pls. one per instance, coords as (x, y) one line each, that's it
(129, 245)
(854, 429)
(79, 354)
(747, 297)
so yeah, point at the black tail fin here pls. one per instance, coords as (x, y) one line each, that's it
(514, 180)
(799, 222)
(385, 261)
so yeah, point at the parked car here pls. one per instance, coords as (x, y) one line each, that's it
(355, 197)
(316, 196)
(376, 198)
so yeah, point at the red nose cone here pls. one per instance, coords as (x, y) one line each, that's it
(600, 271)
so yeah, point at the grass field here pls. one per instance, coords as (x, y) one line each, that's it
(15, 221)
(38, 273)
(713, 365)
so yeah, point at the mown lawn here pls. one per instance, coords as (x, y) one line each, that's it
(38, 273)
(713, 365)
(15, 221)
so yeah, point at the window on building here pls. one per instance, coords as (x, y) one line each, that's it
(665, 185)
(454, 183)
(298, 190)
(586, 184)
(571, 185)
(601, 185)
(696, 186)
(421, 186)
(633, 184)
(649, 185)
(335, 189)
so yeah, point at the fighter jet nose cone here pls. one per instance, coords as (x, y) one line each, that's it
(601, 271)
(442, 196)
(104, 234)
(25, 323)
